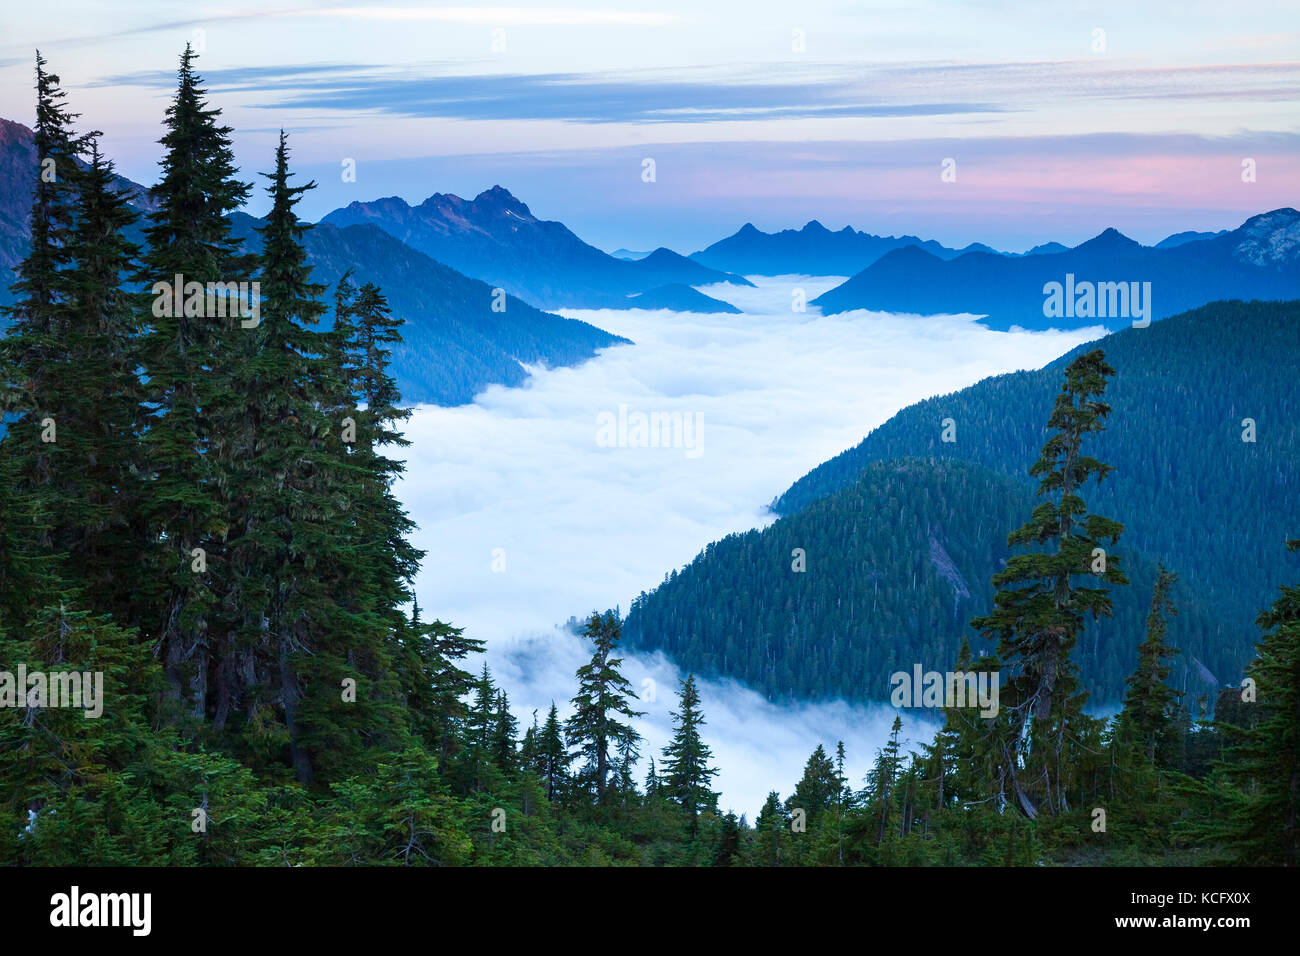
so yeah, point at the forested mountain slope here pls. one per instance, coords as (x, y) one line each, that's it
(1189, 490)
(896, 564)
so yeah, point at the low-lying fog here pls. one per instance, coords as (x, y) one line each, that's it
(541, 503)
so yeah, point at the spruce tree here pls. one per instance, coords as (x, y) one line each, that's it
(1041, 608)
(1150, 705)
(189, 356)
(772, 832)
(101, 410)
(552, 755)
(433, 683)
(35, 399)
(505, 730)
(686, 770)
(604, 696)
(816, 790)
(1261, 826)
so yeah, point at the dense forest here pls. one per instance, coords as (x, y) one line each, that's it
(200, 509)
(831, 600)
(1196, 484)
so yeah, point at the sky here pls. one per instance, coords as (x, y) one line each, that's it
(1061, 118)
(530, 517)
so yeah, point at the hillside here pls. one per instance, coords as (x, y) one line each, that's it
(896, 564)
(453, 344)
(1186, 486)
(680, 298)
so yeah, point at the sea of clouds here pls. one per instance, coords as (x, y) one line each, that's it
(529, 518)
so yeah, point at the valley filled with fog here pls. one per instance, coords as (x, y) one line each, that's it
(530, 515)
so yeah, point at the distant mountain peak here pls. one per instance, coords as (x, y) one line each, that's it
(1110, 239)
(1269, 221)
(748, 229)
(501, 201)
(1269, 239)
(814, 226)
(662, 254)
(384, 202)
(12, 131)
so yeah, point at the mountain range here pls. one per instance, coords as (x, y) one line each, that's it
(454, 343)
(1258, 260)
(812, 250)
(494, 237)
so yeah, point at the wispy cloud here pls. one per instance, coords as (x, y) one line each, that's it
(716, 95)
(511, 16)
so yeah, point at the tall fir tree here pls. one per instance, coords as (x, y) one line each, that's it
(1040, 608)
(505, 731)
(602, 706)
(1147, 720)
(553, 757)
(686, 770)
(190, 355)
(101, 413)
(1259, 824)
(35, 384)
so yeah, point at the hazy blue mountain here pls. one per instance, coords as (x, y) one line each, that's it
(455, 344)
(1179, 238)
(1258, 260)
(630, 253)
(899, 544)
(18, 165)
(812, 250)
(1047, 249)
(679, 298)
(495, 238)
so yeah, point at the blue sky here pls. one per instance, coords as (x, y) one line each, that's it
(1063, 118)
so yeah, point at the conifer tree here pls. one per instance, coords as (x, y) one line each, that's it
(433, 682)
(1040, 608)
(552, 755)
(190, 355)
(686, 771)
(505, 729)
(652, 784)
(604, 696)
(362, 339)
(772, 832)
(101, 411)
(1151, 706)
(882, 780)
(482, 713)
(817, 789)
(1261, 825)
(35, 370)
